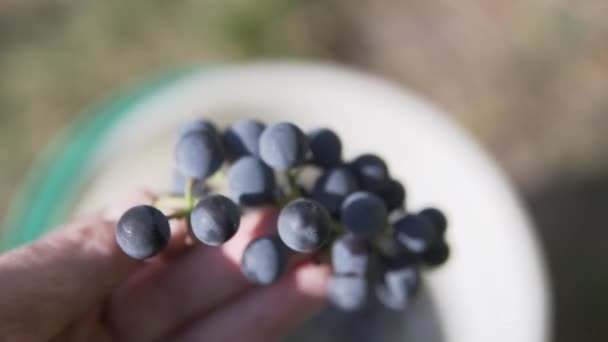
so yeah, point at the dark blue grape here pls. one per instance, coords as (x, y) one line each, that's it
(397, 287)
(333, 187)
(265, 260)
(197, 125)
(251, 182)
(393, 194)
(371, 172)
(348, 293)
(243, 138)
(142, 232)
(198, 154)
(304, 225)
(415, 233)
(325, 148)
(283, 146)
(436, 218)
(215, 219)
(437, 253)
(364, 214)
(350, 255)
(178, 185)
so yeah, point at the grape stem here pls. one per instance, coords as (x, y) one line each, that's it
(189, 205)
(388, 230)
(294, 190)
(188, 193)
(337, 227)
(178, 214)
(217, 179)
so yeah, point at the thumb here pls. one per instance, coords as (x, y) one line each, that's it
(51, 281)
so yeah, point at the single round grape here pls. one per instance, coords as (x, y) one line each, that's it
(264, 260)
(333, 187)
(197, 125)
(325, 148)
(371, 171)
(304, 225)
(350, 255)
(393, 194)
(243, 138)
(198, 154)
(415, 233)
(178, 185)
(437, 254)
(397, 287)
(283, 146)
(364, 214)
(348, 293)
(215, 219)
(142, 232)
(251, 182)
(436, 218)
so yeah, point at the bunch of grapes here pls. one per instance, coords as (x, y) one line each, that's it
(353, 214)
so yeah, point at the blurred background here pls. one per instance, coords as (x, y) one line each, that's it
(529, 79)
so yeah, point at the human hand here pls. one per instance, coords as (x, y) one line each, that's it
(75, 284)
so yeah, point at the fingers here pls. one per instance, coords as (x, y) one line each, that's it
(167, 294)
(267, 313)
(56, 277)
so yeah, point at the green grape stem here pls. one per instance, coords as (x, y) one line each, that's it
(291, 191)
(189, 198)
(294, 190)
(217, 179)
(388, 230)
(178, 214)
(188, 193)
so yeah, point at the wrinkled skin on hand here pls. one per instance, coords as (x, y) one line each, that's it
(75, 284)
